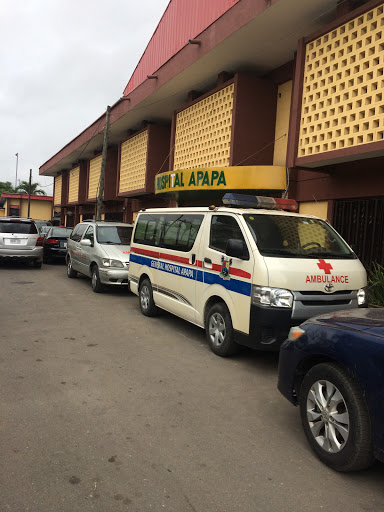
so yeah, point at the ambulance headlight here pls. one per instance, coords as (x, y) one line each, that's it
(361, 297)
(277, 297)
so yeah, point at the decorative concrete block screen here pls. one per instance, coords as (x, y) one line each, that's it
(73, 192)
(133, 162)
(203, 132)
(94, 177)
(343, 86)
(58, 188)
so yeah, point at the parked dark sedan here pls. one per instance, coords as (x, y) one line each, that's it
(55, 244)
(332, 366)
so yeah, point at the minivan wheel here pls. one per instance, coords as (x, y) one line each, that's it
(70, 272)
(335, 418)
(219, 331)
(147, 304)
(97, 287)
(37, 264)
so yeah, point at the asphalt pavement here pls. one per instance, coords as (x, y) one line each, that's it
(103, 409)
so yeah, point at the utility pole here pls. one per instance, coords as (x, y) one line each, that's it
(17, 164)
(29, 191)
(103, 162)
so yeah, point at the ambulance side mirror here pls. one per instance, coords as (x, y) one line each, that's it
(236, 249)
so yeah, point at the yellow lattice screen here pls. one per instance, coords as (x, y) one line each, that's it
(94, 177)
(203, 132)
(133, 162)
(343, 86)
(58, 187)
(73, 191)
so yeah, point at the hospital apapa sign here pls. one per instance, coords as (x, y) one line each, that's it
(222, 178)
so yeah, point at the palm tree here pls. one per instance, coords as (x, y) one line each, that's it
(23, 188)
(6, 186)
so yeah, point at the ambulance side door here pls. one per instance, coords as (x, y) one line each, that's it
(177, 271)
(227, 277)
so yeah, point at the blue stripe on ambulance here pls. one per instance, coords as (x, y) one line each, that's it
(233, 285)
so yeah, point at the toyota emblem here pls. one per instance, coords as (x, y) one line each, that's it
(329, 287)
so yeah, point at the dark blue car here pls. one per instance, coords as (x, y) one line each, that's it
(332, 366)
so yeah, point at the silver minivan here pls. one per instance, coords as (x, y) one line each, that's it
(100, 250)
(20, 240)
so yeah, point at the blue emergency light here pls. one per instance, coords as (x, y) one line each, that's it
(269, 203)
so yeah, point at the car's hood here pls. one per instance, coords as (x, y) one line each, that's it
(365, 319)
(117, 252)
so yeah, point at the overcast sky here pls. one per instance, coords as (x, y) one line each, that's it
(62, 62)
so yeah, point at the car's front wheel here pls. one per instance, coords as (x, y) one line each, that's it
(70, 272)
(219, 331)
(335, 418)
(97, 287)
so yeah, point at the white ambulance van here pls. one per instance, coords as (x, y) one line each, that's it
(245, 272)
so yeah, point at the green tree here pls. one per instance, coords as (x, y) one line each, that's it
(6, 186)
(23, 188)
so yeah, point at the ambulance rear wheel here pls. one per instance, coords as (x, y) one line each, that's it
(219, 331)
(147, 304)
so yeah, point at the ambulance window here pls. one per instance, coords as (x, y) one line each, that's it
(294, 236)
(150, 231)
(180, 231)
(141, 226)
(159, 229)
(171, 230)
(147, 229)
(189, 227)
(224, 227)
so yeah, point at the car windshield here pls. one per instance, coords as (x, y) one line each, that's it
(296, 237)
(64, 232)
(15, 226)
(114, 235)
(41, 223)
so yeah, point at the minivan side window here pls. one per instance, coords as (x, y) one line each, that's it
(77, 233)
(89, 234)
(224, 227)
(169, 231)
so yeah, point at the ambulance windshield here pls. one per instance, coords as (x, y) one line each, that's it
(296, 237)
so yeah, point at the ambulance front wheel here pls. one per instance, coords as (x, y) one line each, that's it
(147, 304)
(219, 331)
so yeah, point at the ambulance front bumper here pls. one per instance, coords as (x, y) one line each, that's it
(268, 328)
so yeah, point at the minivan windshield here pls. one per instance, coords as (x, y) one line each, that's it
(296, 237)
(114, 235)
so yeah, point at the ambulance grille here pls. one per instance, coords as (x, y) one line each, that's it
(312, 303)
(339, 298)
(329, 302)
(339, 292)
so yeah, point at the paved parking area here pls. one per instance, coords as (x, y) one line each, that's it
(104, 409)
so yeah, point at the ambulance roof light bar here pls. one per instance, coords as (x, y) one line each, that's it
(268, 203)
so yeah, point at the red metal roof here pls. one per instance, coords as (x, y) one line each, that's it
(17, 195)
(181, 21)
